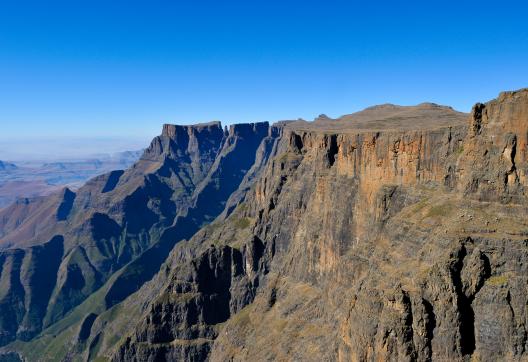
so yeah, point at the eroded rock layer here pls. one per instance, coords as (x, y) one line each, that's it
(338, 241)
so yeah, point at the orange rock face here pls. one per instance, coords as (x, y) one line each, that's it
(396, 233)
(494, 165)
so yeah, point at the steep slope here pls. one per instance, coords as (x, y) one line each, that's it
(315, 199)
(124, 221)
(389, 260)
(384, 245)
(397, 233)
(188, 330)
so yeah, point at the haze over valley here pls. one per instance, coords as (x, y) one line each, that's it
(264, 180)
(34, 177)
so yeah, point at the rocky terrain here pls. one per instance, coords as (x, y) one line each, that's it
(396, 233)
(31, 179)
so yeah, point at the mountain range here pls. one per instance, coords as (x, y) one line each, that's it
(28, 179)
(395, 233)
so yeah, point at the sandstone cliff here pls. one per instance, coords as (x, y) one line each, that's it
(398, 233)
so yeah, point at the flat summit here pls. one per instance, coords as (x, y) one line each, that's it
(388, 117)
(394, 233)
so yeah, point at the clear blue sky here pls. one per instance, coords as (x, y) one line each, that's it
(120, 69)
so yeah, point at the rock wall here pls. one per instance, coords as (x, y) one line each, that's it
(375, 248)
(363, 244)
(397, 263)
(118, 229)
(494, 166)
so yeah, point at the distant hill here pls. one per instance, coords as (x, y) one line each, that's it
(39, 179)
(6, 166)
(391, 234)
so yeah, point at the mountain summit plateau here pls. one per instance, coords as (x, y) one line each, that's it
(394, 233)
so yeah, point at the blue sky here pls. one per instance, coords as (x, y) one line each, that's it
(119, 69)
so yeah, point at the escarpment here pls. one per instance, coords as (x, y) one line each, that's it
(118, 229)
(396, 233)
(495, 166)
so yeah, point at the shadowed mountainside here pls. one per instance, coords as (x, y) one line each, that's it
(121, 222)
(396, 233)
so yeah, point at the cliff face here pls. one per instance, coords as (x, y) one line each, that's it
(317, 202)
(114, 232)
(398, 233)
(380, 255)
(495, 166)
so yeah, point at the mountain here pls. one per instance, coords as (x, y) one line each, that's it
(395, 233)
(7, 166)
(125, 158)
(32, 179)
(116, 230)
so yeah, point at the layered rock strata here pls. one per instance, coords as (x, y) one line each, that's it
(393, 234)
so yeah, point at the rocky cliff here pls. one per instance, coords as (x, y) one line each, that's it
(114, 232)
(397, 233)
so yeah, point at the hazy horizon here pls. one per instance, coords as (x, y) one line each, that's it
(121, 69)
(77, 147)
(63, 149)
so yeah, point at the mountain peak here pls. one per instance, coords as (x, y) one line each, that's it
(170, 130)
(7, 166)
(326, 229)
(388, 117)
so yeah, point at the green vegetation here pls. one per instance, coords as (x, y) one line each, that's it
(212, 227)
(420, 205)
(242, 317)
(242, 223)
(101, 359)
(54, 342)
(440, 210)
(497, 280)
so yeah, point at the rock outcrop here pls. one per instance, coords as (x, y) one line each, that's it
(398, 233)
(495, 164)
(117, 229)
